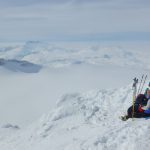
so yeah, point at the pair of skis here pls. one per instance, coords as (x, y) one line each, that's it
(140, 89)
(142, 83)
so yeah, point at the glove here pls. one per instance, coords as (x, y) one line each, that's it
(140, 109)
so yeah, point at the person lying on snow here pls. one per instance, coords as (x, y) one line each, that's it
(141, 107)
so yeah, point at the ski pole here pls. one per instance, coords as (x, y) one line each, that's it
(149, 84)
(143, 84)
(134, 95)
(140, 85)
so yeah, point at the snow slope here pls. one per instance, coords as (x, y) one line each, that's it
(79, 121)
(87, 121)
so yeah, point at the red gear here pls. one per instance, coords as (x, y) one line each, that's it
(140, 109)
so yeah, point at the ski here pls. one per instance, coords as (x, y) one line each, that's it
(143, 84)
(140, 85)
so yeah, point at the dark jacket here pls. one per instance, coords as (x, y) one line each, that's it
(141, 100)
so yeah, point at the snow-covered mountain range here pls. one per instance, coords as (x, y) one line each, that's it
(19, 66)
(51, 55)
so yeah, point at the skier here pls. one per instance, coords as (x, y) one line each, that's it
(141, 107)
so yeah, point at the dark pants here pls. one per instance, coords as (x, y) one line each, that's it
(136, 113)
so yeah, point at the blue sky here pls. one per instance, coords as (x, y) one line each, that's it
(74, 20)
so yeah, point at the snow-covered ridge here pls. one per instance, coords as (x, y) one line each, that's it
(85, 121)
(52, 55)
(19, 66)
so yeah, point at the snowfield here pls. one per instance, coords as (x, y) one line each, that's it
(88, 121)
(81, 89)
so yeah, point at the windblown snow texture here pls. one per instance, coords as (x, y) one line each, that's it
(87, 121)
